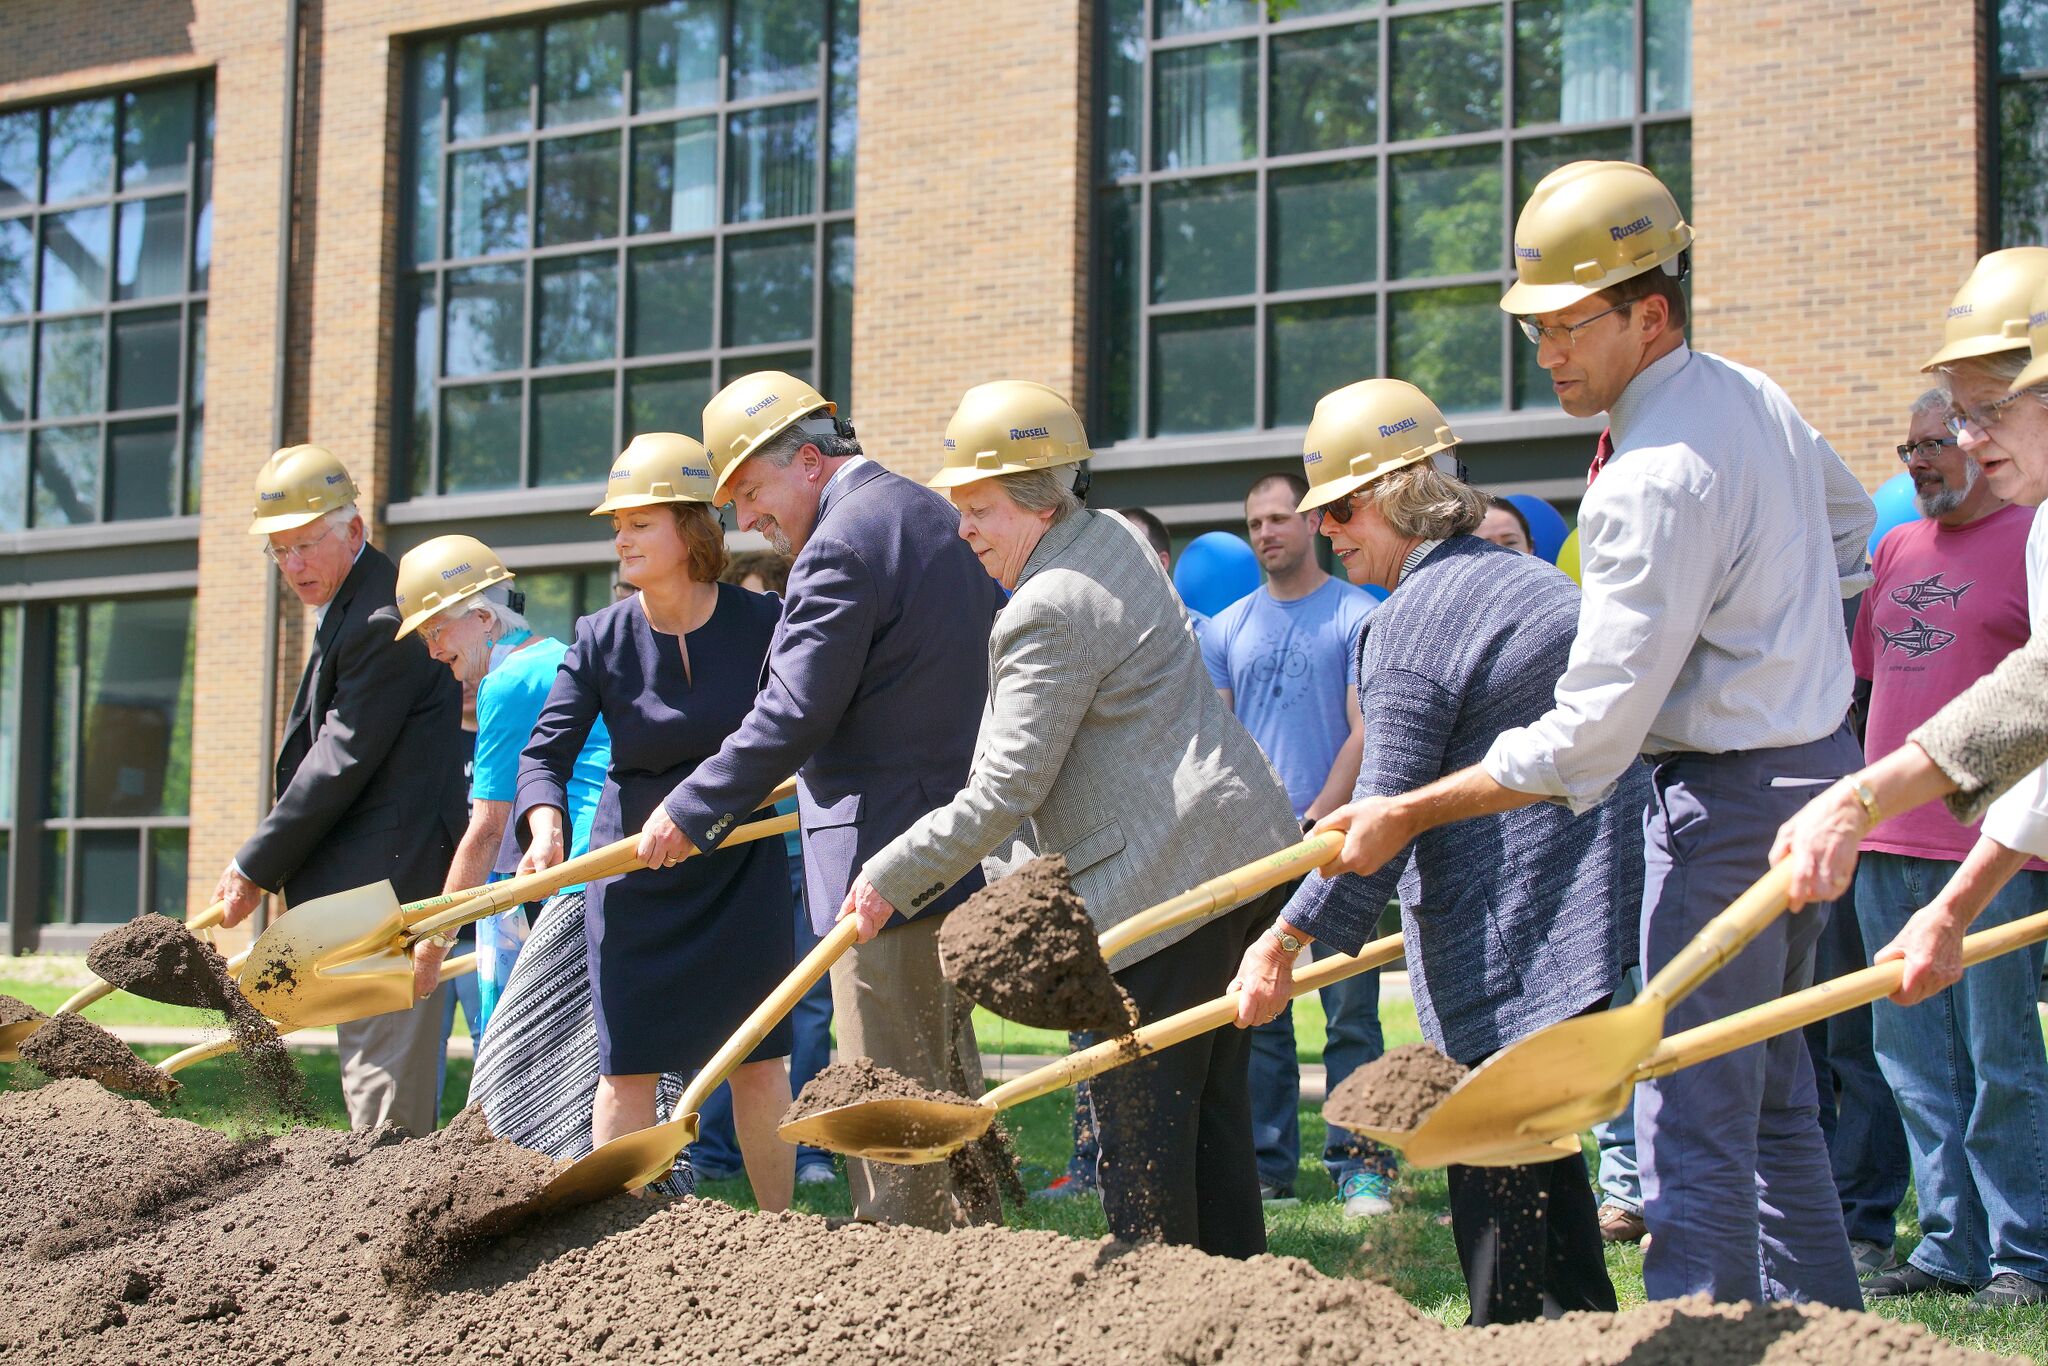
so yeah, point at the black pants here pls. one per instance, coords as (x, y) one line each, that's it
(1528, 1232)
(1177, 1161)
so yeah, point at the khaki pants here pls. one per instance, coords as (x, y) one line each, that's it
(391, 1067)
(890, 1003)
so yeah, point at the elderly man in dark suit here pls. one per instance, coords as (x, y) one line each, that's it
(369, 771)
(872, 694)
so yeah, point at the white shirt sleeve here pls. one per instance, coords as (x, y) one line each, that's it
(1851, 519)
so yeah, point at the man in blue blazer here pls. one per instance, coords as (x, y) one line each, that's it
(873, 694)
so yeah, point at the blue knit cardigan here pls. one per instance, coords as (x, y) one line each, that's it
(1511, 922)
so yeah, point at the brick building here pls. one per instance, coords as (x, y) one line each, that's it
(508, 235)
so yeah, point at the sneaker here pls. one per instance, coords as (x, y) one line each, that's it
(1365, 1194)
(1620, 1224)
(815, 1174)
(2009, 1288)
(1910, 1280)
(1066, 1188)
(1276, 1196)
(1871, 1257)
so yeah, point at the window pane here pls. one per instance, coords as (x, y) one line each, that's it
(671, 299)
(768, 281)
(1574, 60)
(151, 260)
(1313, 348)
(675, 177)
(17, 266)
(772, 163)
(775, 46)
(65, 476)
(1119, 297)
(428, 79)
(14, 357)
(578, 299)
(1446, 74)
(1201, 372)
(1447, 212)
(75, 249)
(156, 136)
(1323, 225)
(109, 876)
(1204, 238)
(1667, 55)
(845, 101)
(10, 750)
(2022, 36)
(167, 872)
(579, 189)
(2022, 162)
(668, 398)
(1667, 150)
(1536, 158)
(1446, 342)
(13, 517)
(1205, 105)
(572, 428)
(81, 150)
(493, 82)
(489, 212)
(20, 152)
(142, 469)
(195, 420)
(146, 359)
(678, 61)
(63, 713)
(1532, 382)
(197, 367)
(486, 318)
(56, 876)
(1122, 102)
(136, 693)
(837, 366)
(1203, 16)
(418, 307)
(73, 355)
(583, 72)
(480, 438)
(202, 228)
(1325, 90)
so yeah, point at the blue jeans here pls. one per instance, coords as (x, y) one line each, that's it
(1351, 1011)
(1620, 1183)
(464, 992)
(1971, 1081)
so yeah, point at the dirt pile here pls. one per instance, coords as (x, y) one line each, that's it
(853, 1080)
(72, 1046)
(14, 1010)
(286, 1261)
(984, 1171)
(1395, 1090)
(1024, 947)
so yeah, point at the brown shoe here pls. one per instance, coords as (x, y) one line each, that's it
(1618, 1225)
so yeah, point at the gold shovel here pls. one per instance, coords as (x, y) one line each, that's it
(909, 1132)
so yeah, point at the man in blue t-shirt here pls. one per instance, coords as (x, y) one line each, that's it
(1285, 658)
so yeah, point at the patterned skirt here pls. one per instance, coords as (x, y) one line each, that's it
(536, 1067)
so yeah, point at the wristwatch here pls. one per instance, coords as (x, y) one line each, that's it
(1289, 944)
(1862, 792)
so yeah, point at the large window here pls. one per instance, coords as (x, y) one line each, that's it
(2022, 122)
(1286, 204)
(611, 213)
(105, 239)
(556, 598)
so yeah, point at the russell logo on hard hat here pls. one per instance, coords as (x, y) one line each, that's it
(1025, 433)
(462, 568)
(766, 402)
(1628, 230)
(1523, 253)
(1405, 424)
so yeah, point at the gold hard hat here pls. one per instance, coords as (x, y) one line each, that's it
(297, 485)
(435, 575)
(1009, 426)
(1989, 313)
(1365, 430)
(751, 409)
(2037, 338)
(1588, 226)
(657, 467)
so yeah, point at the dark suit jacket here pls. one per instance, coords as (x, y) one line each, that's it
(370, 769)
(873, 689)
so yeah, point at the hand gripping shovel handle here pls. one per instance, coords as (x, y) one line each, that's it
(99, 991)
(1802, 1008)
(1226, 889)
(1720, 939)
(1162, 1034)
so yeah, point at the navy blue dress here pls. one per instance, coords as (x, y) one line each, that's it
(678, 956)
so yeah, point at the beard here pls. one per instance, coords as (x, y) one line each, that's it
(777, 537)
(1944, 499)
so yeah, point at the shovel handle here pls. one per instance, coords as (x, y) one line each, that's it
(1720, 939)
(1802, 1008)
(1224, 890)
(765, 1017)
(1161, 1034)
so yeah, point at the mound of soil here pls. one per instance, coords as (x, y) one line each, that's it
(1024, 947)
(14, 1011)
(1395, 1090)
(853, 1080)
(72, 1046)
(289, 1263)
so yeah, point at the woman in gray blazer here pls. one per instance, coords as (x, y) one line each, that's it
(1103, 740)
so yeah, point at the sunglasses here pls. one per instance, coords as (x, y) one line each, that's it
(1341, 510)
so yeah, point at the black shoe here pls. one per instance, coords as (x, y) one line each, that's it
(2009, 1287)
(1910, 1280)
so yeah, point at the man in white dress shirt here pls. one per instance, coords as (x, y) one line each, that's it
(1718, 537)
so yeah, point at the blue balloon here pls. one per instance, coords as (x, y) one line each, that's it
(1374, 591)
(1215, 570)
(1547, 528)
(1895, 506)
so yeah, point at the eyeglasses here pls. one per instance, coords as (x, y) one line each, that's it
(1981, 420)
(1926, 449)
(1564, 336)
(280, 555)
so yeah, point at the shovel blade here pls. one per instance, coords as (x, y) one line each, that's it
(333, 959)
(12, 1035)
(623, 1164)
(905, 1132)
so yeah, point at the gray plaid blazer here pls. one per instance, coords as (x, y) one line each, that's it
(1103, 740)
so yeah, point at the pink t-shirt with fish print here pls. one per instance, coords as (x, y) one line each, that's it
(1947, 605)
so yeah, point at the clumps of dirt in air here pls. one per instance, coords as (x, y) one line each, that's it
(1395, 1090)
(1024, 947)
(72, 1046)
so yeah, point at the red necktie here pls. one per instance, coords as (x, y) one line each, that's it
(1602, 453)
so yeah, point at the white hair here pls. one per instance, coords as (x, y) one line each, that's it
(490, 604)
(340, 517)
